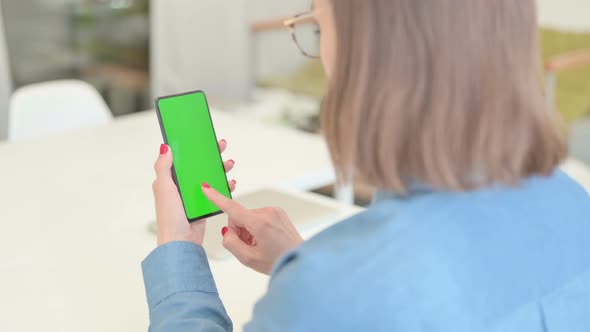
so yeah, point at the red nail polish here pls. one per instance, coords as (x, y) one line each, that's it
(224, 230)
(163, 149)
(206, 185)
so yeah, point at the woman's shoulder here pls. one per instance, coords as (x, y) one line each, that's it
(410, 220)
(446, 251)
(347, 244)
(441, 232)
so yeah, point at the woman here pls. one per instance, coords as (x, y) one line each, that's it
(438, 105)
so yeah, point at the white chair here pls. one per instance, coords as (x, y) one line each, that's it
(53, 107)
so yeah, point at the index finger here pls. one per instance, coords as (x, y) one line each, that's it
(239, 214)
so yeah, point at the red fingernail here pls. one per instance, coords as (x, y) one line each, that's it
(163, 149)
(206, 185)
(224, 230)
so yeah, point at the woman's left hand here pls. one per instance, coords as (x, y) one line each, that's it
(170, 215)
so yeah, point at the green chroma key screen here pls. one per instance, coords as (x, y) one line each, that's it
(188, 130)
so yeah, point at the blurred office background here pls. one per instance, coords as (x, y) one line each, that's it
(133, 50)
(77, 80)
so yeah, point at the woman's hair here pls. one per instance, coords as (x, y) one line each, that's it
(442, 92)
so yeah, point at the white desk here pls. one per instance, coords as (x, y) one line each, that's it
(75, 211)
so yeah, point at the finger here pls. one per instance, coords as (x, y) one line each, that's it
(233, 243)
(231, 224)
(239, 215)
(243, 234)
(222, 145)
(229, 165)
(163, 166)
(232, 185)
(236, 229)
(247, 237)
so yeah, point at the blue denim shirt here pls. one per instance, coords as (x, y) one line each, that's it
(497, 259)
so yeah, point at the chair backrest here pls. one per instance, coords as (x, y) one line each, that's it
(54, 107)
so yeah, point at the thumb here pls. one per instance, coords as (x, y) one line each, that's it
(235, 245)
(163, 166)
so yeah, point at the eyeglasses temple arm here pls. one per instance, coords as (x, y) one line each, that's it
(267, 25)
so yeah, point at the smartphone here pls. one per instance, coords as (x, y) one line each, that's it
(187, 127)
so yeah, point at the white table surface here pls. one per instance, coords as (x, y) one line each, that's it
(75, 211)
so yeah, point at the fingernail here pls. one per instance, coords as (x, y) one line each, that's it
(232, 161)
(206, 185)
(224, 230)
(163, 149)
(224, 141)
(234, 181)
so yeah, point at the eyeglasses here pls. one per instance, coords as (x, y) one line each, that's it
(305, 32)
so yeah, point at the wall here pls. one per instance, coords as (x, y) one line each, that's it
(565, 14)
(207, 45)
(274, 52)
(200, 45)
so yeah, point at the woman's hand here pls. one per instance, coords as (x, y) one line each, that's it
(170, 215)
(256, 237)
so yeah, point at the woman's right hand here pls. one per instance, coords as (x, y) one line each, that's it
(257, 238)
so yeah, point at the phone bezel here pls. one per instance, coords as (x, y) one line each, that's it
(165, 137)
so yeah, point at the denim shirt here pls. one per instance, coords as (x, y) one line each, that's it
(496, 259)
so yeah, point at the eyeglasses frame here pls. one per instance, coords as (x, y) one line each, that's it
(290, 25)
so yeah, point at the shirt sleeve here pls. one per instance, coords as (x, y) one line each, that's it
(181, 292)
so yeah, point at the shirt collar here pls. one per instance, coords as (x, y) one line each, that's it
(414, 189)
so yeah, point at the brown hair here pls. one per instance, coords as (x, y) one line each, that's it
(444, 92)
